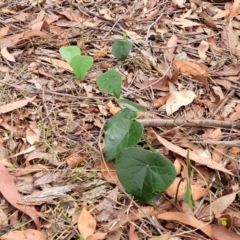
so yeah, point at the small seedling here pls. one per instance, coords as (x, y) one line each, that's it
(141, 172)
(79, 63)
(121, 49)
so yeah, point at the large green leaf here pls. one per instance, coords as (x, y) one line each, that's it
(121, 133)
(121, 49)
(69, 52)
(80, 65)
(110, 82)
(131, 105)
(143, 173)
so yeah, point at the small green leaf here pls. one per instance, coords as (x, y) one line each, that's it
(69, 52)
(121, 133)
(110, 82)
(187, 196)
(121, 49)
(143, 173)
(80, 65)
(131, 105)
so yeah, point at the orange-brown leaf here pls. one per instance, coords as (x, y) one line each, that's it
(10, 192)
(86, 224)
(188, 220)
(109, 172)
(29, 234)
(190, 68)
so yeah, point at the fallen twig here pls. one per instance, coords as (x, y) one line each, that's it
(189, 123)
(222, 143)
(224, 101)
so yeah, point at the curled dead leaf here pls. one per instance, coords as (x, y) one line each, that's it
(7, 55)
(161, 101)
(112, 108)
(109, 172)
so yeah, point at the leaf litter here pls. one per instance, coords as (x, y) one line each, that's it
(51, 124)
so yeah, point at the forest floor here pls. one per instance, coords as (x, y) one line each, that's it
(183, 68)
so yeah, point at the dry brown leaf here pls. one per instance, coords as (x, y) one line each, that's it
(29, 234)
(8, 56)
(230, 36)
(4, 31)
(109, 172)
(32, 135)
(152, 13)
(197, 192)
(203, 80)
(10, 192)
(221, 14)
(184, 23)
(165, 236)
(14, 39)
(179, 99)
(179, 3)
(30, 169)
(57, 63)
(4, 69)
(115, 235)
(218, 91)
(218, 206)
(202, 49)
(171, 45)
(15, 105)
(220, 233)
(207, 20)
(100, 54)
(74, 159)
(213, 134)
(190, 68)
(161, 101)
(188, 220)
(235, 115)
(86, 224)
(97, 236)
(235, 9)
(112, 108)
(225, 83)
(192, 155)
(131, 234)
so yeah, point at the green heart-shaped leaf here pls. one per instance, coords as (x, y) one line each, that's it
(121, 133)
(143, 173)
(110, 82)
(121, 49)
(69, 52)
(80, 65)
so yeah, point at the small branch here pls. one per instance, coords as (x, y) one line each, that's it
(218, 109)
(189, 123)
(222, 143)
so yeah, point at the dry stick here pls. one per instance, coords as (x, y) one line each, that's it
(222, 143)
(224, 101)
(189, 123)
(37, 91)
